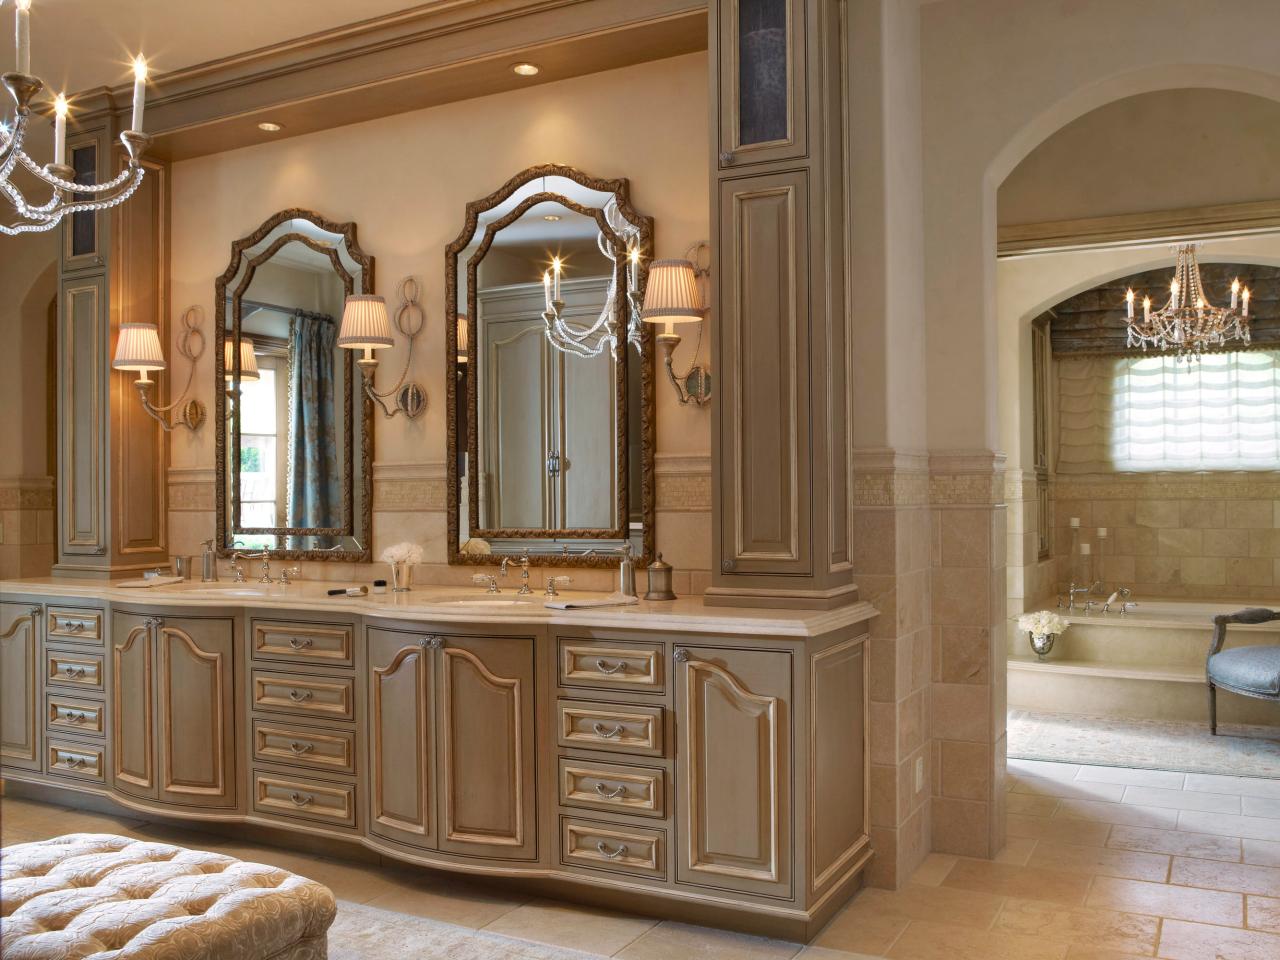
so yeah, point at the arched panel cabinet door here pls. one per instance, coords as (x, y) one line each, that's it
(19, 685)
(132, 705)
(196, 673)
(486, 731)
(401, 729)
(733, 713)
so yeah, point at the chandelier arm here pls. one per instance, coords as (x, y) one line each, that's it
(70, 185)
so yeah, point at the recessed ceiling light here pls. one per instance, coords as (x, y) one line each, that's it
(552, 217)
(270, 127)
(525, 69)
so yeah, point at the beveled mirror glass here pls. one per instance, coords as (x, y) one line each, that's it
(550, 397)
(295, 443)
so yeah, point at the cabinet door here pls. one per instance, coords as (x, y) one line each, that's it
(486, 732)
(133, 743)
(733, 710)
(761, 57)
(19, 685)
(401, 759)
(197, 711)
(764, 417)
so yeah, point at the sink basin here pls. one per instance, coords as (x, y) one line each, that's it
(263, 591)
(482, 600)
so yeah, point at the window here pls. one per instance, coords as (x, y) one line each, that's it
(1152, 413)
(260, 476)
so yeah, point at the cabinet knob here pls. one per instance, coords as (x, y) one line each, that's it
(682, 655)
(726, 158)
(728, 565)
(35, 612)
(432, 643)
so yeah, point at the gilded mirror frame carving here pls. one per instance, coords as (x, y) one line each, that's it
(621, 191)
(241, 260)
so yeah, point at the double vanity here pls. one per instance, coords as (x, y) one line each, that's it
(693, 762)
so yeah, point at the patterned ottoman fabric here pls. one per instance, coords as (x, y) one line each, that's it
(101, 897)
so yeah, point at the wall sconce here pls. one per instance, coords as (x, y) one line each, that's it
(672, 296)
(366, 326)
(248, 369)
(138, 349)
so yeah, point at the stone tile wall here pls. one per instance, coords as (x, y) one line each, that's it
(26, 527)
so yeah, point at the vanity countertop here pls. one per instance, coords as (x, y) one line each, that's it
(443, 604)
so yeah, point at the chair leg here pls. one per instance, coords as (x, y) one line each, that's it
(1213, 710)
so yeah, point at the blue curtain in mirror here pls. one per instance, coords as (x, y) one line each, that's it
(314, 493)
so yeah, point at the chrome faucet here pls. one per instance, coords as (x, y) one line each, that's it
(552, 592)
(260, 555)
(288, 574)
(489, 579)
(524, 590)
(1073, 591)
(1122, 594)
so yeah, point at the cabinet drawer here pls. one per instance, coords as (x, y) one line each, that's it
(73, 669)
(303, 695)
(321, 643)
(613, 666)
(71, 715)
(75, 626)
(306, 799)
(332, 750)
(613, 727)
(82, 761)
(608, 786)
(608, 846)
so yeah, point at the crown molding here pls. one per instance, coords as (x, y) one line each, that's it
(428, 55)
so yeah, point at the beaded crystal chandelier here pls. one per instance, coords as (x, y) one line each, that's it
(66, 196)
(1188, 324)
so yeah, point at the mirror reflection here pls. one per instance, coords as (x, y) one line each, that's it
(292, 452)
(548, 414)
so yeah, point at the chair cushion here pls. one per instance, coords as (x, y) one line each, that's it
(94, 895)
(1256, 669)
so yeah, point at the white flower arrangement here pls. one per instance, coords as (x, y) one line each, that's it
(402, 552)
(1042, 623)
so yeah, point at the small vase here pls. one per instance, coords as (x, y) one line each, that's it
(401, 576)
(1042, 643)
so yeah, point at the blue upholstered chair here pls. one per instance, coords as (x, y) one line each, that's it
(1250, 671)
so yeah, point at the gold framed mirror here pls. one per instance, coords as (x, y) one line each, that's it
(550, 389)
(294, 426)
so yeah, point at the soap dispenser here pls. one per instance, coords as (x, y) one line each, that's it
(209, 563)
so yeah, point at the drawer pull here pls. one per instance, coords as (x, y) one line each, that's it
(301, 799)
(299, 696)
(618, 667)
(603, 849)
(75, 626)
(600, 731)
(75, 717)
(608, 794)
(73, 673)
(299, 747)
(73, 762)
(300, 643)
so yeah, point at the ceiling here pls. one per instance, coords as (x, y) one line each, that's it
(81, 44)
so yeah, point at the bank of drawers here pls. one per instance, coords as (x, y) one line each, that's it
(613, 701)
(74, 709)
(303, 740)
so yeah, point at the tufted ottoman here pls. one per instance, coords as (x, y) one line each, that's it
(94, 895)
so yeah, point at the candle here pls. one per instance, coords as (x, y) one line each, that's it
(22, 34)
(555, 279)
(1075, 522)
(1173, 290)
(60, 130)
(139, 91)
(1244, 296)
(1102, 533)
(1085, 549)
(546, 287)
(1146, 309)
(633, 266)
(1235, 292)
(1128, 302)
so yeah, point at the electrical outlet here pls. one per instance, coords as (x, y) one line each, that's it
(919, 774)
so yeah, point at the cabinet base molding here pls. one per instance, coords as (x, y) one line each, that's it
(706, 908)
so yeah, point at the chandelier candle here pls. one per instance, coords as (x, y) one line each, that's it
(22, 35)
(60, 131)
(139, 91)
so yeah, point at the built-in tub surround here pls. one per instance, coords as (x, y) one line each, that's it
(1147, 664)
(664, 758)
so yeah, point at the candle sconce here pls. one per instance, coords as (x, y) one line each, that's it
(366, 326)
(674, 296)
(139, 350)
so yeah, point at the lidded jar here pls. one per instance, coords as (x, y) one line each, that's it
(659, 581)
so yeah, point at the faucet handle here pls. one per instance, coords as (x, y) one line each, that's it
(487, 579)
(288, 574)
(553, 581)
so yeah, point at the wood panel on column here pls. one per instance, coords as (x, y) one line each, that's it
(113, 267)
(780, 432)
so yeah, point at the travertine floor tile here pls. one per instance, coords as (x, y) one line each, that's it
(1261, 807)
(1262, 913)
(853, 930)
(1100, 929)
(1245, 786)
(1070, 789)
(1216, 875)
(1180, 940)
(876, 918)
(943, 941)
(1265, 852)
(934, 869)
(1155, 840)
(1126, 813)
(1017, 850)
(1030, 805)
(1165, 900)
(449, 900)
(669, 939)
(1127, 775)
(1064, 830)
(1008, 880)
(1227, 825)
(824, 953)
(1078, 951)
(1101, 861)
(1182, 799)
(565, 925)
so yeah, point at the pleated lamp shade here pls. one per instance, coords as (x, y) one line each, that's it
(139, 348)
(671, 295)
(365, 324)
(463, 345)
(248, 361)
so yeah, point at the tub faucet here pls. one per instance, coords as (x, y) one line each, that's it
(1073, 591)
(1122, 594)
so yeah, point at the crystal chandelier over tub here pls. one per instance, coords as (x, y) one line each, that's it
(66, 196)
(1188, 324)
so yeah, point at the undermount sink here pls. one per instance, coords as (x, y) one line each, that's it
(263, 591)
(482, 600)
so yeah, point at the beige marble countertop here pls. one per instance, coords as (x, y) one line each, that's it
(469, 605)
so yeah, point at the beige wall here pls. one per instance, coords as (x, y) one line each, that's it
(405, 181)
